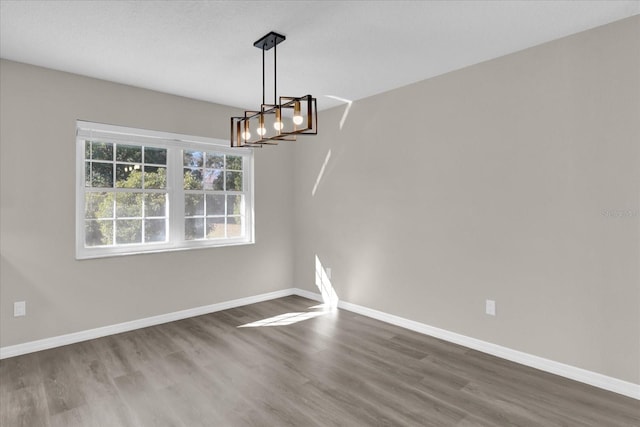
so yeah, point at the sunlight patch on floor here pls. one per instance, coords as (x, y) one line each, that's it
(284, 319)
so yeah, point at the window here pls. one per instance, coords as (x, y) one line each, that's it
(142, 191)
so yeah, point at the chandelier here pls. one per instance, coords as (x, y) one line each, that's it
(283, 120)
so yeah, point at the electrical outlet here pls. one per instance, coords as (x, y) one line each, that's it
(490, 307)
(19, 308)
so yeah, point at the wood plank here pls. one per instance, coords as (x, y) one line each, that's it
(61, 380)
(25, 407)
(148, 407)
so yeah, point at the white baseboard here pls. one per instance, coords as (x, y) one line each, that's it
(307, 294)
(46, 343)
(578, 374)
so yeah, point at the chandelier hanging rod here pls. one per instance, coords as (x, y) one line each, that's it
(271, 40)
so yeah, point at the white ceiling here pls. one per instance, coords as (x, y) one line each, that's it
(345, 49)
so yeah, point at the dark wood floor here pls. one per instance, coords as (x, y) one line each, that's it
(335, 369)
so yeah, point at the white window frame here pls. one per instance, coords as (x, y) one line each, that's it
(175, 145)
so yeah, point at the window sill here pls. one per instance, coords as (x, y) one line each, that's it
(87, 255)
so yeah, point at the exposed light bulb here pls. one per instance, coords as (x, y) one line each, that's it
(246, 134)
(277, 125)
(297, 117)
(261, 129)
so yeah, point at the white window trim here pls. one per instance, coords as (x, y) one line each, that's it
(175, 144)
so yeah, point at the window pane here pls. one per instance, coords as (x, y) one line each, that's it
(213, 179)
(156, 156)
(234, 226)
(234, 181)
(128, 176)
(98, 205)
(155, 230)
(214, 161)
(193, 228)
(215, 204)
(234, 163)
(128, 231)
(87, 150)
(193, 159)
(215, 228)
(102, 151)
(128, 205)
(87, 174)
(101, 175)
(193, 204)
(98, 233)
(155, 177)
(193, 179)
(234, 205)
(155, 204)
(128, 153)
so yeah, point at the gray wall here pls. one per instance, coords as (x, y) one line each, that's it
(495, 181)
(38, 110)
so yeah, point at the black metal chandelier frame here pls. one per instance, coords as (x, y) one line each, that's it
(289, 116)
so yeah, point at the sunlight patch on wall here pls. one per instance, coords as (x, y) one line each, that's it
(329, 296)
(346, 110)
(321, 173)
